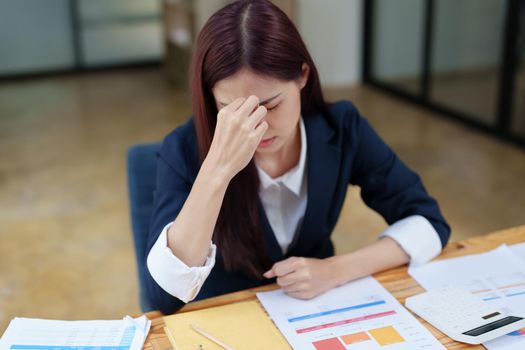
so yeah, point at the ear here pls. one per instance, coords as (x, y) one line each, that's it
(305, 73)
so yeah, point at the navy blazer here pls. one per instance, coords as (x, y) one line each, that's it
(343, 149)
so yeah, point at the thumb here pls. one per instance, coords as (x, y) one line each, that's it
(269, 274)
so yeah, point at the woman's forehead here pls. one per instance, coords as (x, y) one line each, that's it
(245, 83)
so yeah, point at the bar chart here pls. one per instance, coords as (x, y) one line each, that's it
(361, 315)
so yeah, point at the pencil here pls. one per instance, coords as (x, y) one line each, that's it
(210, 337)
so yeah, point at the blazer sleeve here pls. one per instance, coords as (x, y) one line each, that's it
(172, 190)
(387, 185)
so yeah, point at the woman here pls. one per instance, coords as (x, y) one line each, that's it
(250, 188)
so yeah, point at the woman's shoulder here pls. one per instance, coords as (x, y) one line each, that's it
(343, 112)
(341, 108)
(343, 116)
(180, 145)
(183, 133)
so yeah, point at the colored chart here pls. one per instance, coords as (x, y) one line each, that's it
(382, 336)
(361, 315)
(386, 336)
(355, 338)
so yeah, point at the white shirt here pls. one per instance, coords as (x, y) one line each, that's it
(284, 201)
(284, 198)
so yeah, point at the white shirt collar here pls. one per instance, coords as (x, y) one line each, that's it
(293, 179)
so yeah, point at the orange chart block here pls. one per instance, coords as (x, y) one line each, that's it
(386, 335)
(355, 338)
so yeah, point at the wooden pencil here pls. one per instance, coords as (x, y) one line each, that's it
(211, 337)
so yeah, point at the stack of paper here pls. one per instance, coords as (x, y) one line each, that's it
(38, 334)
(497, 277)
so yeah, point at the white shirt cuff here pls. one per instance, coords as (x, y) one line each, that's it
(173, 275)
(418, 238)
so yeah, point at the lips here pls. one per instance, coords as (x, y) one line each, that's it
(267, 142)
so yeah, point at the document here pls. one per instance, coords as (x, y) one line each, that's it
(39, 334)
(498, 277)
(242, 325)
(519, 249)
(360, 315)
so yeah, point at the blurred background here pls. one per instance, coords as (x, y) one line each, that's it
(81, 81)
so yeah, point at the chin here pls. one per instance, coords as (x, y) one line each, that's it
(266, 150)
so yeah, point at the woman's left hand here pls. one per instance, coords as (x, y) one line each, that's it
(305, 278)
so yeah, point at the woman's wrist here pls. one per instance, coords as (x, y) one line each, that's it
(214, 172)
(379, 256)
(345, 268)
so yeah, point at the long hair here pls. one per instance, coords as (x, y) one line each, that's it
(257, 35)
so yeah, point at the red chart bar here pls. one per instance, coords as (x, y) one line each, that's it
(329, 344)
(342, 322)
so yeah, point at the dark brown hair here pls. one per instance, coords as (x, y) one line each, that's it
(259, 36)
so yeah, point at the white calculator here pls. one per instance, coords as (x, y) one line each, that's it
(463, 316)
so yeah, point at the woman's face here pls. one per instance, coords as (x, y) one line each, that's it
(282, 99)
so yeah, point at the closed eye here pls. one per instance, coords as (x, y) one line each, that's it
(273, 108)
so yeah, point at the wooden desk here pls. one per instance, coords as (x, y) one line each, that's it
(396, 281)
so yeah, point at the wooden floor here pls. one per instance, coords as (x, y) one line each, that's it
(65, 241)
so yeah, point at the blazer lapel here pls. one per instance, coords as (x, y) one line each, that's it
(323, 162)
(273, 249)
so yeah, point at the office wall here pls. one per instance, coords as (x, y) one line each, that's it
(204, 9)
(332, 30)
(34, 36)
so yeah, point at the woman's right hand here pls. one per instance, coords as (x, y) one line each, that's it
(239, 130)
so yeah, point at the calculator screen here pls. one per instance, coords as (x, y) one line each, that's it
(492, 326)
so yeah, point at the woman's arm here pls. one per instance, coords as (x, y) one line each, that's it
(190, 233)
(240, 128)
(381, 255)
(180, 253)
(305, 278)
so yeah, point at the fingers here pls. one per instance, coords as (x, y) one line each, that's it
(269, 274)
(303, 290)
(283, 267)
(297, 287)
(296, 277)
(257, 116)
(290, 279)
(232, 107)
(248, 106)
(259, 132)
(303, 294)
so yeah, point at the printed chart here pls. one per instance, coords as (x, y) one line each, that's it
(37, 334)
(361, 315)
